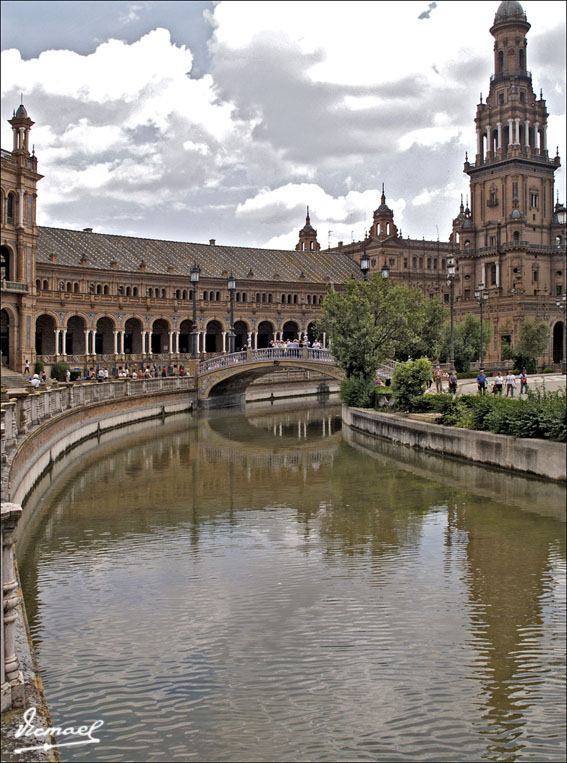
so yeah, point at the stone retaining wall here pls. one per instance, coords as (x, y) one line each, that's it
(540, 458)
(39, 428)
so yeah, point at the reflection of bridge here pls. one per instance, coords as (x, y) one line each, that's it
(228, 376)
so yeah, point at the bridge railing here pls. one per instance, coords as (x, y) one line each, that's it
(269, 353)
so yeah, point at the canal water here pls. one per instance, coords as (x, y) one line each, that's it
(260, 586)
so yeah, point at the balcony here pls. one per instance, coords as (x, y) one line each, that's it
(14, 286)
(501, 76)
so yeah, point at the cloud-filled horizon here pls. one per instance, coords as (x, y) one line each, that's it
(191, 121)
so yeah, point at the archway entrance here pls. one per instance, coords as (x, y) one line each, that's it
(241, 331)
(558, 330)
(5, 336)
(160, 338)
(290, 330)
(213, 337)
(185, 329)
(133, 337)
(45, 335)
(265, 334)
(75, 337)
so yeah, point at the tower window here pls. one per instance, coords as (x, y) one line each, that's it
(500, 98)
(534, 200)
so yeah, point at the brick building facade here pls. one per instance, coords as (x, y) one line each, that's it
(90, 298)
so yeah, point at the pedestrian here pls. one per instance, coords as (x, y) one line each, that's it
(438, 379)
(163, 372)
(498, 384)
(100, 375)
(35, 382)
(482, 382)
(523, 381)
(510, 384)
(453, 382)
(27, 368)
(67, 375)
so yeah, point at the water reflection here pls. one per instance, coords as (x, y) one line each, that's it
(258, 587)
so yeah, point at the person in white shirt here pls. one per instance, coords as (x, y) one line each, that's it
(510, 384)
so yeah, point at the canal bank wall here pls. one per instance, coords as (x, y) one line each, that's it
(539, 458)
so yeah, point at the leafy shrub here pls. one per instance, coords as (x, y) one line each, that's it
(410, 381)
(37, 367)
(75, 375)
(358, 391)
(547, 370)
(58, 371)
(430, 403)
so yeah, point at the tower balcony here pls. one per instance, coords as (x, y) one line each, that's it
(520, 73)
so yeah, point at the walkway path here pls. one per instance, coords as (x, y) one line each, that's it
(551, 382)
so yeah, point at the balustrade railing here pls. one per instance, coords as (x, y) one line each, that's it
(269, 353)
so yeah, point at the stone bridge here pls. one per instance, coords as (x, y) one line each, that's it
(227, 376)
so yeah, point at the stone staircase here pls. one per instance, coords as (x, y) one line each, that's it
(12, 379)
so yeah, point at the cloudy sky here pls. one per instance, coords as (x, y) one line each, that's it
(198, 120)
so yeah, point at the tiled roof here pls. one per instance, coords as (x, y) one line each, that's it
(177, 258)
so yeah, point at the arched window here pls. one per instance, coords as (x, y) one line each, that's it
(10, 207)
(283, 299)
(257, 296)
(289, 299)
(244, 297)
(128, 291)
(163, 293)
(38, 285)
(177, 293)
(218, 296)
(45, 285)
(150, 292)
(263, 297)
(500, 65)
(99, 289)
(76, 287)
(120, 291)
(309, 299)
(69, 286)
(238, 296)
(269, 299)
(105, 289)
(521, 58)
(205, 296)
(135, 291)
(516, 237)
(295, 299)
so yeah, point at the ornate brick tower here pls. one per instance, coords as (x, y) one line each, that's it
(511, 241)
(308, 237)
(19, 242)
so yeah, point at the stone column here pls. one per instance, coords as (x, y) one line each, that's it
(499, 128)
(170, 342)
(57, 335)
(527, 133)
(12, 679)
(488, 139)
(64, 342)
(121, 335)
(93, 341)
(497, 274)
(478, 142)
(544, 136)
(144, 342)
(176, 336)
(224, 341)
(536, 136)
(510, 132)
(87, 334)
(21, 193)
(255, 340)
(517, 121)
(115, 337)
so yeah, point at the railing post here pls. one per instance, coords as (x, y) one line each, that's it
(12, 679)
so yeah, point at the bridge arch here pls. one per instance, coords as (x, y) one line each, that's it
(228, 376)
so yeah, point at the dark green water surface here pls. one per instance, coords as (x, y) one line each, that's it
(260, 586)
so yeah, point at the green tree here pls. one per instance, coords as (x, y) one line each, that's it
(466, 335)
(534, 340)
(427, 342)
(370, 321)
(410, 380)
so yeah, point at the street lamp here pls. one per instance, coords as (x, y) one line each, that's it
(365, 265)
(385, 270)
(451, 282)
(562, 305)
(231, 288)
(481, 295)
(195, 273)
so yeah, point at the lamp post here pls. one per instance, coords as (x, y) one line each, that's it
(562, 306)
(195, 273)
(451, 282)
(481, 295)
(365, 264)
(385, 270)
(231, 289)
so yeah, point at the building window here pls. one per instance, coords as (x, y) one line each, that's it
(534, 200)
(558, 290)
(536, 276)
(467, 294)
(446, 298)
(405, 263)
(135, 291)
